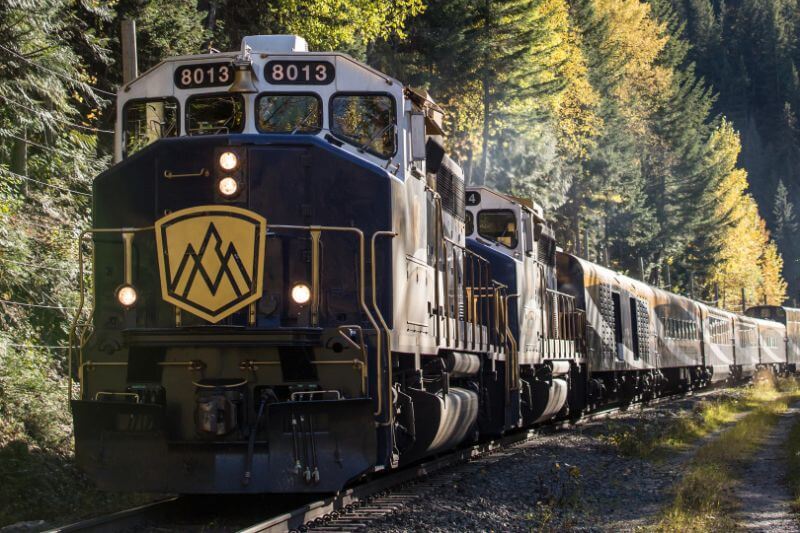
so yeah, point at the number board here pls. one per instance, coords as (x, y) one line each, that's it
(299, 72)
(204, 75)
(473, 198)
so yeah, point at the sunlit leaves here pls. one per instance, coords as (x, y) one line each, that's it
(747, 258)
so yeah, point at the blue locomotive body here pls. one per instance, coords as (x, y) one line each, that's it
(291, 180)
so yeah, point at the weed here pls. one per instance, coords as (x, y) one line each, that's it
(39, 477)
(646, 437)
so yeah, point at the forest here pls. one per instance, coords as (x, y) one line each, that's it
(661, 137)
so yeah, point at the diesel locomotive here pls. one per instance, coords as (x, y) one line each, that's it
(293, 289)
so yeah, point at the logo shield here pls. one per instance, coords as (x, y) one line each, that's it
(211, 259)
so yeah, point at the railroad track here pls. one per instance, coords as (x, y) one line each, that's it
(353, 509)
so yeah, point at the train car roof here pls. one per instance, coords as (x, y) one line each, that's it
(606, 275)
(710, 309)
(759, 322)
(778, 313)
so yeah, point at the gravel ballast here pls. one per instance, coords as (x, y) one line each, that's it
(572, 479)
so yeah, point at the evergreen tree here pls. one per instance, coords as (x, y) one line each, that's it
(747, 49)
(783, 213)
(503, 42)
(343, 25)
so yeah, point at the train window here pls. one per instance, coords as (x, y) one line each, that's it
(288, 113)
(146, 121)
(498, 225)
(618, 325)
(718, 330)
(635, 327)
(469, 223)
(746, 337)
(214, 114)
(365, 120)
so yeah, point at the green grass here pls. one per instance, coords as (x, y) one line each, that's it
(650, 438)
(704, 498)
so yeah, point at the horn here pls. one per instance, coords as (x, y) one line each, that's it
(243, 77)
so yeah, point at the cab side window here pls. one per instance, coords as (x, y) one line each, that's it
(469, 224)
(500, 226)
(366, 121)
(146, 121)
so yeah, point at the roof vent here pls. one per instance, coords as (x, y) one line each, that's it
(275, 44)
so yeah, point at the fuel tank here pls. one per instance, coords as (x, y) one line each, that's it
(442, 420)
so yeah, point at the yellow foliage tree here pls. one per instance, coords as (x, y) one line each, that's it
(639, 39)
(576, 107)
(773, 287)
(747, 258)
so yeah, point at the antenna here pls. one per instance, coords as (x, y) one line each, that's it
(130, 62)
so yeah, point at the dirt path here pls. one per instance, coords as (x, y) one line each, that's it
(763, 494)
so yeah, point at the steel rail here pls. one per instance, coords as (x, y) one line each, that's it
(129, 518)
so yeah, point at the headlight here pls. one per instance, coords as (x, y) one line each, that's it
(228, 186)
(301, 293)
(126, 295)
(228, 161)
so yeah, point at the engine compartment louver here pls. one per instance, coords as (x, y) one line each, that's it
(450, 186)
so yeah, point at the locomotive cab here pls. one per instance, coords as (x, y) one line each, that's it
(513, 235)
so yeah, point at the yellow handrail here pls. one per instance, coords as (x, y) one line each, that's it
(373, 258)
(74, 326)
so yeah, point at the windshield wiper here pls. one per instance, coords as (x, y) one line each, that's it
(303, 122)
(383, 130)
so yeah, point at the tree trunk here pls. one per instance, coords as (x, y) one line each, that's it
(19, 155)
(485, 141)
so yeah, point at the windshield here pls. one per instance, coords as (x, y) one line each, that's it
(499, 226)
(214, 115)
(365, 120)
(288, 113)
(147, 121)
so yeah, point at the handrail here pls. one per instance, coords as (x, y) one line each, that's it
(128, 245)
(81, 300)
(373, 261)
(361, 286)
(512, 358)
(437, 229)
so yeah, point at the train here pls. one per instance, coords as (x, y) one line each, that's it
(294, 289)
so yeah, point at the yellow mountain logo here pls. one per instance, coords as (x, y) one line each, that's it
(211, 259)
